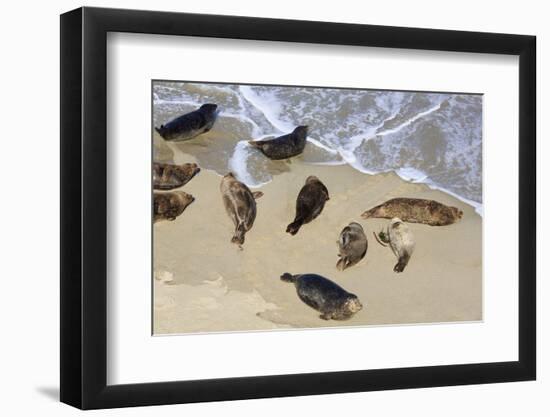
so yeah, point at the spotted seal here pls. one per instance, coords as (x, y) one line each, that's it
(169, 176)
(352, 246)
(416, 210)
(240, 205)
(168, 206)
(325, 296)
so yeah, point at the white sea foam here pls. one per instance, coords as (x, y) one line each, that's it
(238, 165)
(372, 131)
(268, 106)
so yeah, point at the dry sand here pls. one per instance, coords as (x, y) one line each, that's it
(203, 283)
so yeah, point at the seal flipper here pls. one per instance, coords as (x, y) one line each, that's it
(293, 227)
(238, 237)
(402, 263)
(257, 194)
(342, 264)
(286, 277)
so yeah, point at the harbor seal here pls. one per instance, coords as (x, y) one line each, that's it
(325, 296)
(309, 204)
(168, 176)
(168, 206)
(352, 245)
(189, 125)
(285, 146)
(240, 205)
(416, 210)
(401, 241)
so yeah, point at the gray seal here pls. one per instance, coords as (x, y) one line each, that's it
(240, 205)
(309, 203)
(325, 296)
(189, 125)
(169, 176)
(352, 245)
(285, 146)
(416, 210)
(401, 241)
(168, 206)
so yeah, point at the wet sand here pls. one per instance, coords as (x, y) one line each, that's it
(203, 283)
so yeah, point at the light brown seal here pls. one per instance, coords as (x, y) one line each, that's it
(352, 246)
(240, 205)
(168, 206)
(309, 203)
(416, 210)
(325, 296)
(169, 176)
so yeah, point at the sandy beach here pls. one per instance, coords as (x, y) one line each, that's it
(203, 283)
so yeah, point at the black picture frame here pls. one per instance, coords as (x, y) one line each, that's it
(84, 207)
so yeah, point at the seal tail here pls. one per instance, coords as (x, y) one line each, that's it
(160, 130)
(402, 263)
(238, 237)
(293, 227)
(286, 277)
(342, 264)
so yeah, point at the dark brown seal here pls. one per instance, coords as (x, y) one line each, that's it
(352, 245)
(189, 125)
(325, 296)
(309, 204)
(169, 176)
(285, 146)
(168, 206)
(416, 210)
(240, 205)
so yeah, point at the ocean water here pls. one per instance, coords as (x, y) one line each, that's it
(431, 138)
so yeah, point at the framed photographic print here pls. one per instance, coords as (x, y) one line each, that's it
(257, 208)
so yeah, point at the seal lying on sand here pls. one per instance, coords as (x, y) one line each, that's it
(190, 125)
(309, 204)
(168, 206)
(285, 146)
(320, 293)
(401, 241)
(352, 244)
(168, 176)
(240, 205)
(416, 210)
